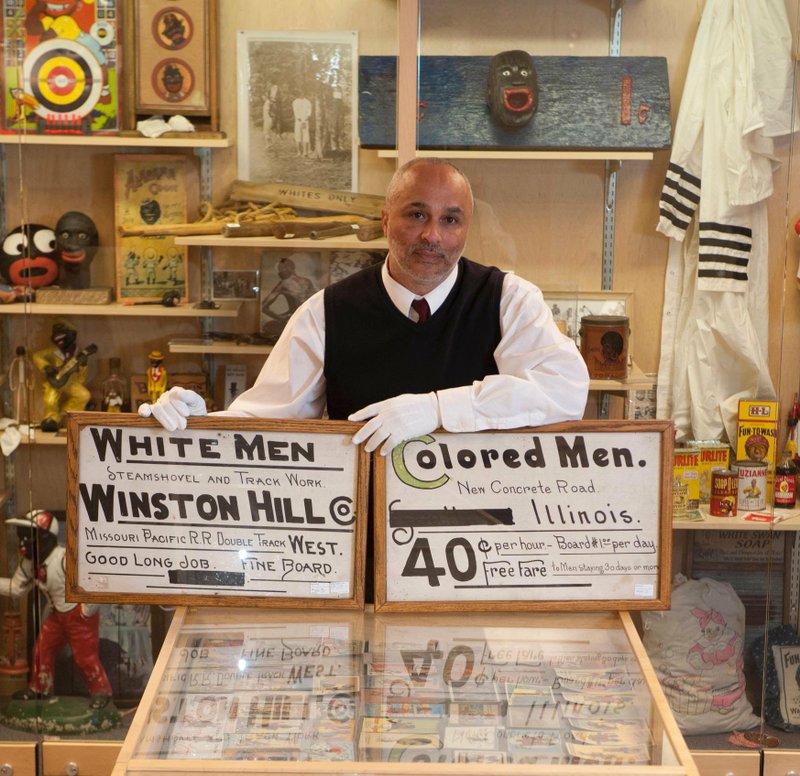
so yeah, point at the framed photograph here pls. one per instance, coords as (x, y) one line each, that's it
(297, 118)
(345, 263)
(234, 284)
(150, 266)
(61, 67)
(569, 307)
(288, 278)
(175, 54)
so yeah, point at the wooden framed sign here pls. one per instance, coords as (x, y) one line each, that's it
(230, 511)
(571, 515)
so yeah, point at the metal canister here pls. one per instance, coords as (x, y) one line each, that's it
(724, 492)
(604, 345)
(752, 485)
(685, 472)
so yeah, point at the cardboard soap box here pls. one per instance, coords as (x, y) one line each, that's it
(757, 435)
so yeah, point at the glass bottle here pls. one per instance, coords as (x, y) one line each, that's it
(113, 388)
(21, 381)
(785, 484)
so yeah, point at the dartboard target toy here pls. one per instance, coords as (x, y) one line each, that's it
(61, 66)
(66, 81)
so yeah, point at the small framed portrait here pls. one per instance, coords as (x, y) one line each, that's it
(287, 280)
(345, 263)
(234, 284)
(175, 55)
(297, 117)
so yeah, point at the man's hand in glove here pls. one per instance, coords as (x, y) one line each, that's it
(393, 420)
(174, 406)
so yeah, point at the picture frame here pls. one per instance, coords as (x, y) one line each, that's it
(459, 526)
(235, 284)
(287, 279)
(297, 108)
(232, 543)
(149, 266)
(568, 307)
(175, 53)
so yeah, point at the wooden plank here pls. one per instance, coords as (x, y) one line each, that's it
(584, 102)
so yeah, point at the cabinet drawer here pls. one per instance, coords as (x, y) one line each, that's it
(727, 763)
(94, 758)
(20, 757)
(782, 763)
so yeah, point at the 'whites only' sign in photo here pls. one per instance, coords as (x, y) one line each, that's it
(229, 510)
(571, 514)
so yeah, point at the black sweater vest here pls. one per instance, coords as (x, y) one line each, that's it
(373, 351)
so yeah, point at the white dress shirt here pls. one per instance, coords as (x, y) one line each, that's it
(543, 378)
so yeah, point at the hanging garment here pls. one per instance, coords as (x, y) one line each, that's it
(737, 97)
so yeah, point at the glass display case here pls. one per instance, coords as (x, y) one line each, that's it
(578, 222)
(301, 692)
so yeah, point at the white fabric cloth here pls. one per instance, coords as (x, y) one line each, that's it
(542, 379)
(737, 97)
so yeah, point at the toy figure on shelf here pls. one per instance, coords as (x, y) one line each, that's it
(42, 564)
(64, 369)
(21, 382)
(28, 257)
(76, 245)
(113, 388)
(156, 376)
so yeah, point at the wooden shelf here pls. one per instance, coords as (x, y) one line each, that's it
(345, 242)
(611, 155)
(225, 310)
(788, 520)
(103, 141)
(217, 347)
(637, 380)
(35, 436)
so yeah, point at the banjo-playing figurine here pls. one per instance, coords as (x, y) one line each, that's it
(64, 369)
(512, 93)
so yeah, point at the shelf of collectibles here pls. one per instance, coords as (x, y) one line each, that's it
(335, 692)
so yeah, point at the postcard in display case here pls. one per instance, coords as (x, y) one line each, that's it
(571, 514)
(255, 512)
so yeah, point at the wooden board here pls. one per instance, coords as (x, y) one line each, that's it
(584, 102)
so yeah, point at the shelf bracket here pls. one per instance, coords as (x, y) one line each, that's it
(612, 168)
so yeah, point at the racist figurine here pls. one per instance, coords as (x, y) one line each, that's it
(156, 376)
(64, 369)
(28, 258)
(42, 564)
(512, 92)
(76, 245)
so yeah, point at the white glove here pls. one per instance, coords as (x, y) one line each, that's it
(396, 419)
(174, 406)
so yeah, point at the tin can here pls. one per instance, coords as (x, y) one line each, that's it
(685, 472)
(604, 346)
(724, 492)
(752, 485)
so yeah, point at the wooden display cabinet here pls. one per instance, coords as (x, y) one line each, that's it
(287, 675)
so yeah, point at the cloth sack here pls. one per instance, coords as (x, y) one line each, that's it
(696, 649)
